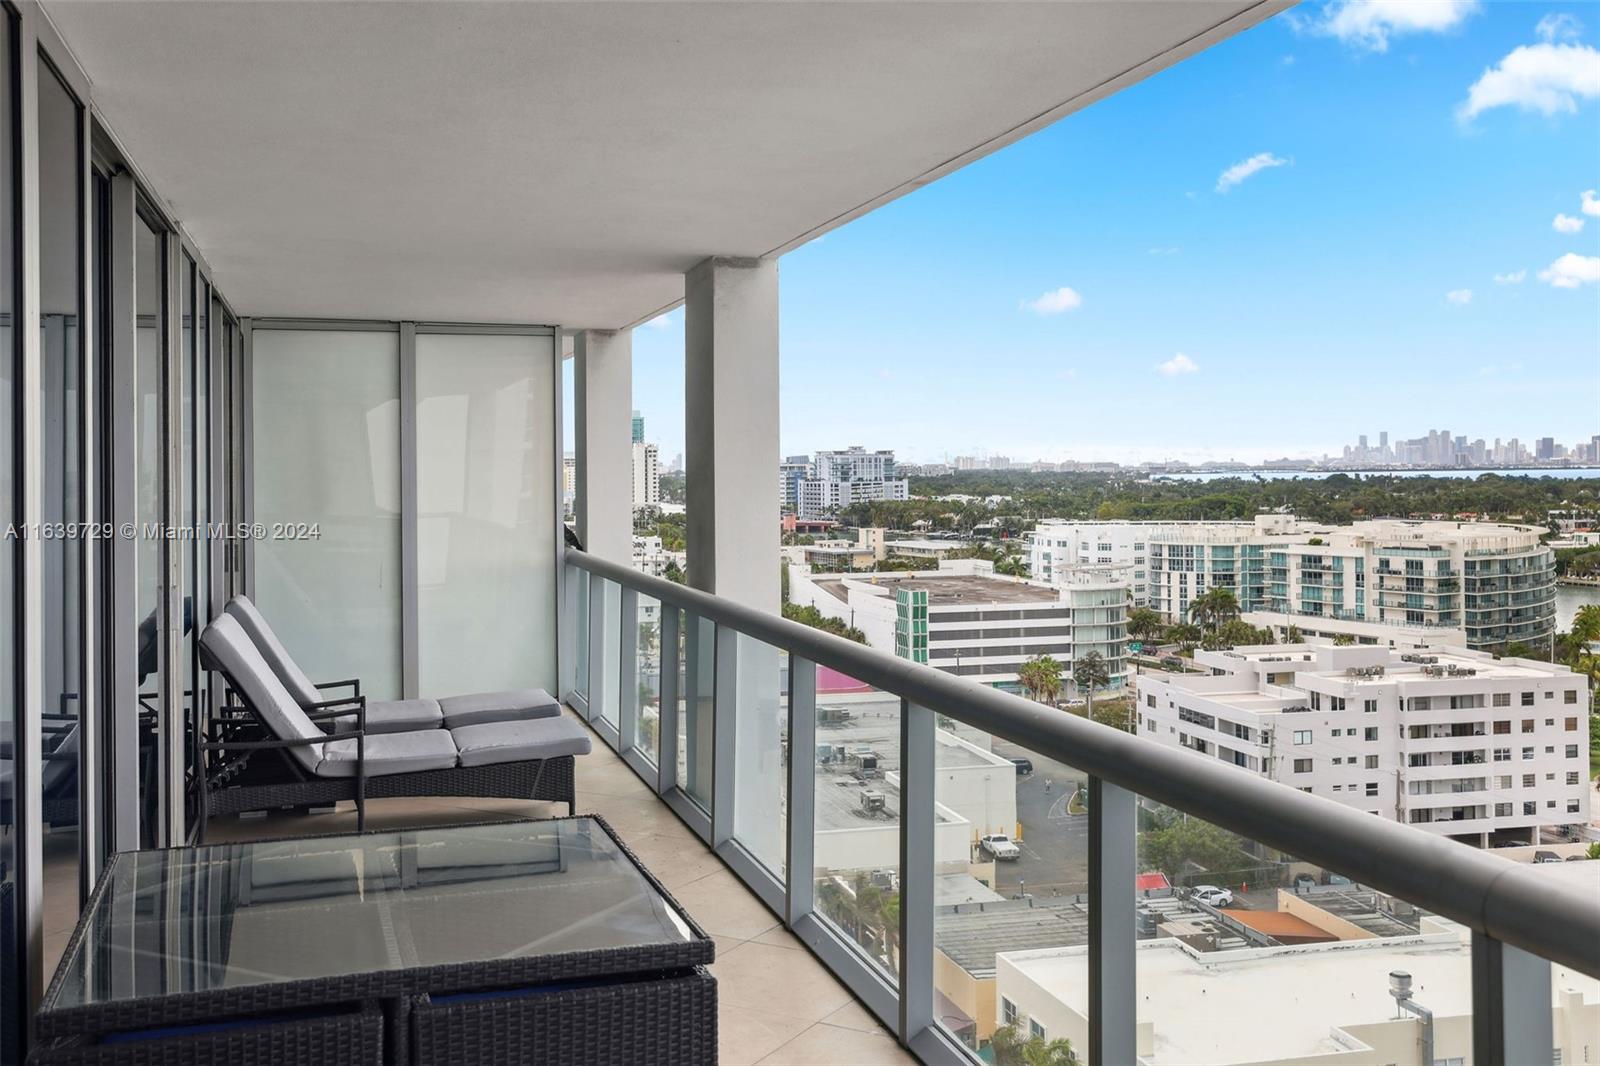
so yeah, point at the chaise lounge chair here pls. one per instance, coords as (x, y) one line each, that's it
(387, 716)
(532, 758)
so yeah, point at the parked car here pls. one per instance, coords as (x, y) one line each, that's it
(1000, 846)
(1212, 896)
(1024, 766)
(1546, 856)
(1304, 881)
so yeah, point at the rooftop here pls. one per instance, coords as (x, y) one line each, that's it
(972, 934)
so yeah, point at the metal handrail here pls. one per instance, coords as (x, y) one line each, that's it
(1510, 902)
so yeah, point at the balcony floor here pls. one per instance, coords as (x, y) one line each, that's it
(777, 1004)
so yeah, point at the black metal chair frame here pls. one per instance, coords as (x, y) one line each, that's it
(239, 731)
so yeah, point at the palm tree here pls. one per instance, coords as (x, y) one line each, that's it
(1343, 640)
(1041, 679)
(1011, 1048)
(1011, 566)
(1585, 631)
(1090, 672)
(1186, 634)
(1211, 609)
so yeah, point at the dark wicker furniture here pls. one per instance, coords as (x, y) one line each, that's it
(538, 941)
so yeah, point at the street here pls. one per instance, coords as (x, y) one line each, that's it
(1054, 844)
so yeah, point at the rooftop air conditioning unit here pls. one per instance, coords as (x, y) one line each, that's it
(872, 802)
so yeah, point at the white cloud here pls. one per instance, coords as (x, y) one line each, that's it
(1547, 78)
(1515, 277)
(1459, 297)
(1591, 203)
(1178, 364)
(1242, 170)
(1572, 270)
(1055, 301)
(1566, 224)
(1370, 23)
(1559, 27)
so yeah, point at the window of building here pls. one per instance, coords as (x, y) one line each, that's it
(1527, 725)
(1573, 777)
(1302, 766)
(1571, 725)
(1502, 810)
(1372, 733)
(1572, 751)
(1527, 699)
(1502, 727)
(1529, 780)
(1502, 782)
(1502, 699)
(1421, 703)
(1336, 703)
(1369, 706)
(1035, 1029)
(1527, 753)
(1316, 701)
(1302, 736)
(1372, 762)
(1150, 700)
(1372, 788)
(1572, 806)
(1570, 696)
(1008, 1012)
(1530, 808)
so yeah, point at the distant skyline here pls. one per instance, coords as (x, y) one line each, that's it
(1353, 217)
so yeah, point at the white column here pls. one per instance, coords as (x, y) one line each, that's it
(731, 455)
(731, 428)
(602, 400)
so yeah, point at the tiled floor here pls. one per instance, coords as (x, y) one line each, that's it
(778, 1005)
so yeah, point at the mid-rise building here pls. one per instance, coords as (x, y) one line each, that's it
(646, 476)
(1389, 582)
(792, 471)
(1455, 741)
(840, 478)
(1057, 549)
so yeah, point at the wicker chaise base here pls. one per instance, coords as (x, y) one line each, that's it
(534, 779)
(353, 1039)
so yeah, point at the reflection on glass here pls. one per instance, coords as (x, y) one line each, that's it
(150, 507)
(647, 731)
(697, 706)
(485, 500)
(197, 508)
(760, 768)
(327, 446)
(857, 843)
(606, 703)
(11, 1005)
(187, 548)
(1011, 863)
(62, 496)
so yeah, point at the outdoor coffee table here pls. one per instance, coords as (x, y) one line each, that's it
(533, 941)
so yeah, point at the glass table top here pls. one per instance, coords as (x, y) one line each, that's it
(229, 915)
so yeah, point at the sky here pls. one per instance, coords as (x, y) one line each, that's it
(1354, 217)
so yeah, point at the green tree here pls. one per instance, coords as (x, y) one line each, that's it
(1040, 678)
(674, 573)
(1011, 566)
(1173, 848)
(1118, 714)
(1343, 640)
(1585, 631)
(1593, 851)
(1214, 607)
(810, 616)
(1145, 624)
(1011, 1048)
(1090, 673)
(1185, 634)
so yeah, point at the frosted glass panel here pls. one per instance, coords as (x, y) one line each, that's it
(327, 448)
(486, 513)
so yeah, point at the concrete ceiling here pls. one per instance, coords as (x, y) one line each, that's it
(565, 163)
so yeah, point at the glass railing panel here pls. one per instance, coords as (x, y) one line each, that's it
(856, 840)
(647, 678)
(761, 752)
(1011, 868)
(606, 596)
(697, 706)
(580, 631)
(1231, 932)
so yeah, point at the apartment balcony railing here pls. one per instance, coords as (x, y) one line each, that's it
(733, 750)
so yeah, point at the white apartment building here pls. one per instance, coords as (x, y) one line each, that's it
(792, 471)
(649, 557)
(1057, 548)
(840, 478)
(971, 623)
(646, 475)
(1453, 741)
(1387, 582)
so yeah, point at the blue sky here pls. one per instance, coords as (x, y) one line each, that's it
(1389, 162)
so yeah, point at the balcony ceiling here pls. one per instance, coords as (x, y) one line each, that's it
(565, 163)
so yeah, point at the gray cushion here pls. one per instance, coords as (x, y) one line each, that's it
(272, 650)
(394, 716)
(227, 642)
(513, 705)
(390, 753)
(535, 738)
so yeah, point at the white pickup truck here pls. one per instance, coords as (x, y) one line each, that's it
(1000, 846)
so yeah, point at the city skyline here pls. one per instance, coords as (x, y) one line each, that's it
(1229, 283)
